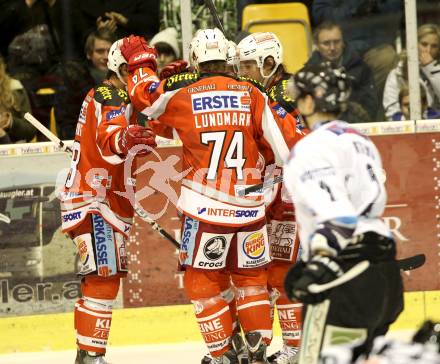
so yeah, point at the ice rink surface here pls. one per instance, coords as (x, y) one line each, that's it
(188, 353)
(185, 353)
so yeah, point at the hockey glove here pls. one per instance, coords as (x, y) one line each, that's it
(138, 53)
(320, 269)
(136, 135)
(173, 68)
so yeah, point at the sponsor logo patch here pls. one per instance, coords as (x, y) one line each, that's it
(104, 246)
(220, 101)
(214, 247)
(227, 212)
(253, 245)
(190, 228)
(72, 216)
(83, 252)
(115, 113)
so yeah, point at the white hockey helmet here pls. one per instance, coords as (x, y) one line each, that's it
(208, 45)
(116, 59)
(258, 46)
(233, 59)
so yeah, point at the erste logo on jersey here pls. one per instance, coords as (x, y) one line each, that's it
(220, 101)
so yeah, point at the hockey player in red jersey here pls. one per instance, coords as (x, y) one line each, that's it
(94, 213)
(222, 122)
(261, 56)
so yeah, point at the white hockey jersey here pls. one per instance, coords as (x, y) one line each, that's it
(335, 173)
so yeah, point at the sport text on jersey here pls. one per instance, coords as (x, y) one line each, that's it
(221, 108)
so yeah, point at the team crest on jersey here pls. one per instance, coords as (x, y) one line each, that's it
(281, 112)
(153, 87)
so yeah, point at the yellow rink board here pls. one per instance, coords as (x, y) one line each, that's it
(153, 325)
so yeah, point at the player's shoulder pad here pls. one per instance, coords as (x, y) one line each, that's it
(180, 80)
(278, 93)
(254, 82)
(110, 96)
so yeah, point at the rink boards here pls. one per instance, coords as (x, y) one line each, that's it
(411, 155)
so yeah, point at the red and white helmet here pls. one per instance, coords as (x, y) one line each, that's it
(208, 45)
(258, 46)
(116, 59)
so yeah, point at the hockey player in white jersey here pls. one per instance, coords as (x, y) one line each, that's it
(336, 179)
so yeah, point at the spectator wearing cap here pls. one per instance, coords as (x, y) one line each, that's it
(167, 46)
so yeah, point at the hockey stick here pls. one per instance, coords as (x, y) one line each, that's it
(260, 187)
(316, 316)
(139, 211)
(411, 263)
(313, 331)
(211, 6)
(47, 133)
(347, 276)
(155, 226)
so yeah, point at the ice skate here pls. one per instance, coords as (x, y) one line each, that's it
(287, 355)
(256, 348)
(240, 348)
(230, 357)
(87, 357)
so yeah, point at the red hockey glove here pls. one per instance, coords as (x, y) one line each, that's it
(173, 68)
(138, 53)
(136, 135)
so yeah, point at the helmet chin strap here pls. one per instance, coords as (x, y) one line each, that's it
(267, 78)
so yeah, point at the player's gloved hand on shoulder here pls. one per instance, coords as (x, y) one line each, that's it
(138, 53)
(134, 135)
(320, 269)
(173, 68)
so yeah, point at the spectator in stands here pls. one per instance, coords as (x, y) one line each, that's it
(428, 46)
(122, 18)
(167, 45)
(370, 27)
(202, 17)
(330, 47)
(404, 114)
(96, 49)
(18, 16)
(14, 103)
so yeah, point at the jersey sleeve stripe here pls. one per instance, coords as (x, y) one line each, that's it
(158, 107)
(273, 135)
